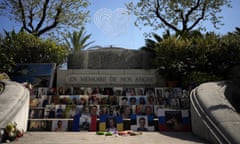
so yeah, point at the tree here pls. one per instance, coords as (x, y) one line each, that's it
(26, 48)
(41, 16)
(180, 16)
(77, 41)
(6, 59)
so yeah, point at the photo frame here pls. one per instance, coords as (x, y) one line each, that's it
(141, 123)
(59, 125)
(60, 111)
(174, 120)
(49, 111)
(117, 91)
(36, 113)
(84, 122)
(139, 91)
(130, 91)
(39, 125)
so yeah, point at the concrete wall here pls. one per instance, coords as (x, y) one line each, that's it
(111, 58)
(14, 105)
(110, 77)
(213, 116)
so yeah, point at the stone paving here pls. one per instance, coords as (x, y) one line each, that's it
(92, 138)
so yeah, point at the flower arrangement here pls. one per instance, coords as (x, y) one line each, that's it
(10, 133)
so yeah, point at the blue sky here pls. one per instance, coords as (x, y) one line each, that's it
(108, 28)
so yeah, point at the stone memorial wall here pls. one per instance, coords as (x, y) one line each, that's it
(111, 58)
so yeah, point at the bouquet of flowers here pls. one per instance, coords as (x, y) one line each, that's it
(10, 133)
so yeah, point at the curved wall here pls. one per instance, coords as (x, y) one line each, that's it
(213, 117)
(14, 105)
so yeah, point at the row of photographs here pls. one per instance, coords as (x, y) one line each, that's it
(69, 111)
(115, 91)
(173, 121)
(43, 100)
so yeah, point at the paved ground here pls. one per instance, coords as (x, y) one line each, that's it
(92, 138)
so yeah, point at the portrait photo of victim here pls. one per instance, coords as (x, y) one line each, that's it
(174, 120)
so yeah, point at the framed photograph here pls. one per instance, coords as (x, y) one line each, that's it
(94, 110)
(84, 122)
(45, 100)
(130, 91)
(133, 100)
(174, 120)
(35, 102)
(97, 91)
(114, 110)
(148, 110)
(64, 99)
(110, 124)
(104, 110)
(142, 100)
(126, 111)
(158, 110)
(94, 99)
(36, 113)
(70, 111)
(151, 100)
(60, 111)
(167, 92)
(139, 91)
(80, 108)
(59, 125)
(159, 92)
(49, 111)
(177, 92)
(83, 100)
(159, 96)
(42, 91)
(118, 91)
(107, 91)
(73, 99)
(88, 91)
(112, 100)
(149, 92)
(142, 123)
(123, 100)
(103, 99)
(39, 125)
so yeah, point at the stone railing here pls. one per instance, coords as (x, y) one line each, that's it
(213, 117)
(14, 105)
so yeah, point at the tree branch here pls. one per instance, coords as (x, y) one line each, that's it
(157, 7)
(200, 18)
(184, 21)
(31, 20)
(43, 15)
(23, 17)
(192, 9)
(55, 22)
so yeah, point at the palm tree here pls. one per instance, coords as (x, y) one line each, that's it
(77, 41)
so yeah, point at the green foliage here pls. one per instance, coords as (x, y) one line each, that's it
(78, 40)
(197, 77)
(196, 57)
(178, 15)
(41, 16)
(6, 58)
(26, 48)
(172, 54)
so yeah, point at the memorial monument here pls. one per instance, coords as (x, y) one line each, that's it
(103, 67)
